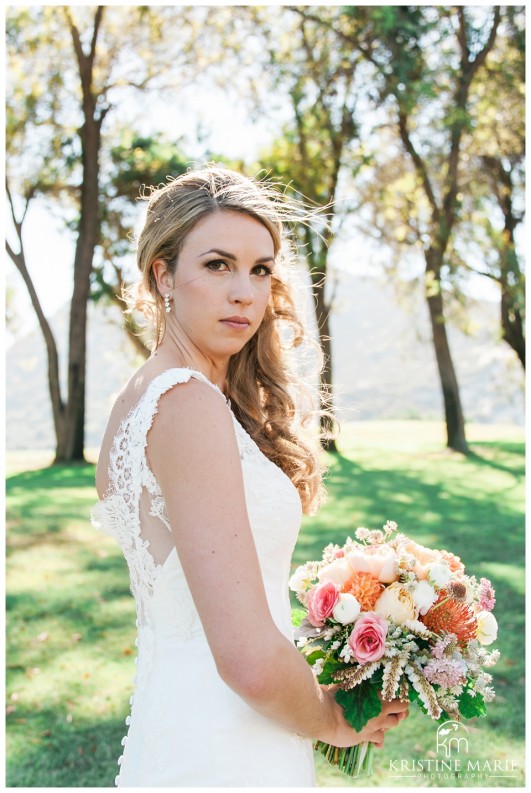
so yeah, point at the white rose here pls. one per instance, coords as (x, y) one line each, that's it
(347, 609)
(338, 572)
(487, 629)
(396, 604)
(424, 596)
(439, 573)
(301, 580)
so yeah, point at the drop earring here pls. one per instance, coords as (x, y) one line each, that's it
(167, 306)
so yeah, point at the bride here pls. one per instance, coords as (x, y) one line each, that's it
(203, 476)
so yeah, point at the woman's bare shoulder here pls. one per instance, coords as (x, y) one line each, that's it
(190, 414)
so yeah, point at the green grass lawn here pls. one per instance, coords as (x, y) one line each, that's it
(70, 616)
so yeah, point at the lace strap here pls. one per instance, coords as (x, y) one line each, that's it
(147, 408)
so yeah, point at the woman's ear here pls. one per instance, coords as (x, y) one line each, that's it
(163, 279)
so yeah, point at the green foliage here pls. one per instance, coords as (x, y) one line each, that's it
(471, 706)
(313, 657)
(360, 704)
(327, 675)
(140, 162)
(297, 616)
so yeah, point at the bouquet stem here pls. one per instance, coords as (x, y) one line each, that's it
(355, 761)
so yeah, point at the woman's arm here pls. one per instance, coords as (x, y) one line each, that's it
(193, 452)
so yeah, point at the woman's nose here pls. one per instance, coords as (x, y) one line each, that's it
(241, 290)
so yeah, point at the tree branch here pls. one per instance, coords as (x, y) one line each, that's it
(468, 70)
(418, 162)
(326, 24)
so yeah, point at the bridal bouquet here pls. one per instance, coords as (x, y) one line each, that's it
(386, 618)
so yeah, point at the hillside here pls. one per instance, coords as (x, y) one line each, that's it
(383, 359)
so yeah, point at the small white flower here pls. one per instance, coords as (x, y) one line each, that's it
(346, 653)
(424, 596)
(489, 694)
(362, 533)
(439, 574)
(347, 609)
(318, 666)
(390, 527)
(416, 625)
(335, 645)
(301, 580)
(492, 658)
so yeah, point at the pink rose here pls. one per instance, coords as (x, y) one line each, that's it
(321, 601)
(367, 640)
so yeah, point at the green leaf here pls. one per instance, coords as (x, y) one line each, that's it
(413, 695)
(330, 667)
(360, 704)
(469, 707)
(313, 657)
(297, 616)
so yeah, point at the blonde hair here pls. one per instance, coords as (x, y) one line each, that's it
(266, 395)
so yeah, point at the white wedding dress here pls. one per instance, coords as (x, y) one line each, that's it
(187, 728)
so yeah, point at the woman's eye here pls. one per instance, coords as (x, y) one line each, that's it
(263, 270)
(217, 265)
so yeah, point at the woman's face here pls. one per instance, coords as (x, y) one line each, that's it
(222, 284)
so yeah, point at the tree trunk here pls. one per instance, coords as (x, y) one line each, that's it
(70, 445)
(54, 385)
(455, 423)
(72, 441)
(512, 324)
(322, 313)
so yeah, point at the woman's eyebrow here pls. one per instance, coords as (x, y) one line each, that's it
(228, 255)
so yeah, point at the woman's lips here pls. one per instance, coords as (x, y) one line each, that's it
(238, 323)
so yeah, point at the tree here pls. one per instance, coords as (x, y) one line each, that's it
(319, 80)
(138, 163)
(425, 61)
(494, 199)
(55, 118)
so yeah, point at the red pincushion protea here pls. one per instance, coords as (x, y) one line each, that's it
(447, 615)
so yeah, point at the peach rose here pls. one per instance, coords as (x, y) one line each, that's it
(424, 556)
(338, 572)
(377, 560)
(367, 640)
(454, 562)
(321, 601)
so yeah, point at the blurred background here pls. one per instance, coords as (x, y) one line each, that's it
(408, 123)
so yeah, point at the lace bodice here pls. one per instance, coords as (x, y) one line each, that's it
(133, 509)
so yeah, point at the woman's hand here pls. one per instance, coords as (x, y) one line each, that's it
(392, 713)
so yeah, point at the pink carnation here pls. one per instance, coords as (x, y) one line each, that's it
(321, 601)
(486, 595)
(367, 640)
(445, 672)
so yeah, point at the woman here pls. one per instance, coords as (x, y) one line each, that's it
(201, 476)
